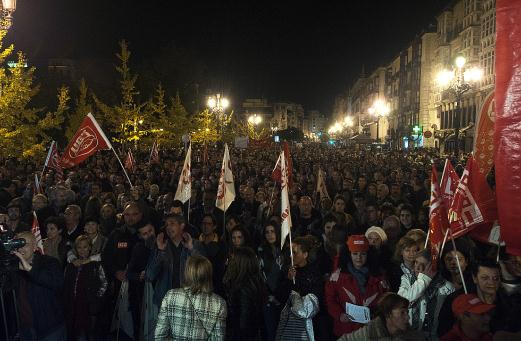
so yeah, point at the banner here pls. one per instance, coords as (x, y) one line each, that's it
(53, 162)
(484, 142)
(37, 235)
(226, 189)
(154, 154)
(184, 186)
(321, 185)
(449, 183)
(438, 218)
(130, 162)
(285, 214)
(276, 175)
(507, 133)
(474, 201)
(87, 141)
(241, 142)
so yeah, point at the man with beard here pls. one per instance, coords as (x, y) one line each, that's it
(136, 270)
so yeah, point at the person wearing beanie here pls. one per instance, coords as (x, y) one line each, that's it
(357, 281)
(376, 236)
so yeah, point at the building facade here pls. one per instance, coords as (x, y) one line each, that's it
(421, 113)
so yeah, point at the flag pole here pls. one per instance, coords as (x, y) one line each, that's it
(458, 263)
(188, 211)
(121, 164)
(270, 205)
(291, 252)
(427, 239)
(48, 157)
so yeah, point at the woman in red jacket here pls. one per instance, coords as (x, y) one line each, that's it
(355, 282)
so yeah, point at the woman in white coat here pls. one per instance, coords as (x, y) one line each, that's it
(426, 290)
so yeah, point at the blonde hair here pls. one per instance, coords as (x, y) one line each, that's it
(198, 275)
(82, 238)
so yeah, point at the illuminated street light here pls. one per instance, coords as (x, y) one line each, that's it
(348, 121)
(457, 82)
(7, 10)
(255, 120)
(380, 108)
(218, 106)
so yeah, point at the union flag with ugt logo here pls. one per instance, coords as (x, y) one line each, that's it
(87, 141)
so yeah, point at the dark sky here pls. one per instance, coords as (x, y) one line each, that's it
(306, 53)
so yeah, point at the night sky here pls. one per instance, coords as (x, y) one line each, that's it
(289, 51)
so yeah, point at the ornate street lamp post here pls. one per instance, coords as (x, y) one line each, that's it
(218, 105)
(6, 17)
(457, 82)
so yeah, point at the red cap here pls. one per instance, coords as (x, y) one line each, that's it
(357, 243)
(469, 303)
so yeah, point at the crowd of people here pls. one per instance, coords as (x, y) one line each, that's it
(131, 262)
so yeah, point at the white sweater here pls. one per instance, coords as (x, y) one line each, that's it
(415, 294)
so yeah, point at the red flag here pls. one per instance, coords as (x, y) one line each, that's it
(53, 161)
(87, 141)
(484, 142)
(154, 154)
(130, 162)
(438, 218)
(276, 175)
(36, 232)
(474, 201)
(507, 136)
(449, 183)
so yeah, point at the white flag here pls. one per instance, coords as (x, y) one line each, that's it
(226, 190)
(321, 185)
(184, 186)
(285, 211)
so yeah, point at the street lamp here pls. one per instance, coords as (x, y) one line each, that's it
(457, 82)
(6, 20)
(218, 105)
(255, 120)
(380, 108)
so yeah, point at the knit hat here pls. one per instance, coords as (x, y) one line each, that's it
(379, 231)
(469, 303)
(357, 243)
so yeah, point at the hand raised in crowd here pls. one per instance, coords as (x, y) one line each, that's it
(23, 264)
(292, 272)
(161, 241)
(187, 241)
(429, 270)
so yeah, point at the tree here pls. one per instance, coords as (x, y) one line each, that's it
(174, 122)
(24, 131)
(205, 128)
(82, 108)
(128, 120)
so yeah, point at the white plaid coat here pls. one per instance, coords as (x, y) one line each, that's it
(184, 316)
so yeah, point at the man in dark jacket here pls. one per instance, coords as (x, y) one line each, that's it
(38, 294)
(117, 252)
(136, 270)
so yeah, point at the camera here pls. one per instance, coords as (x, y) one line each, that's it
(8, 243)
